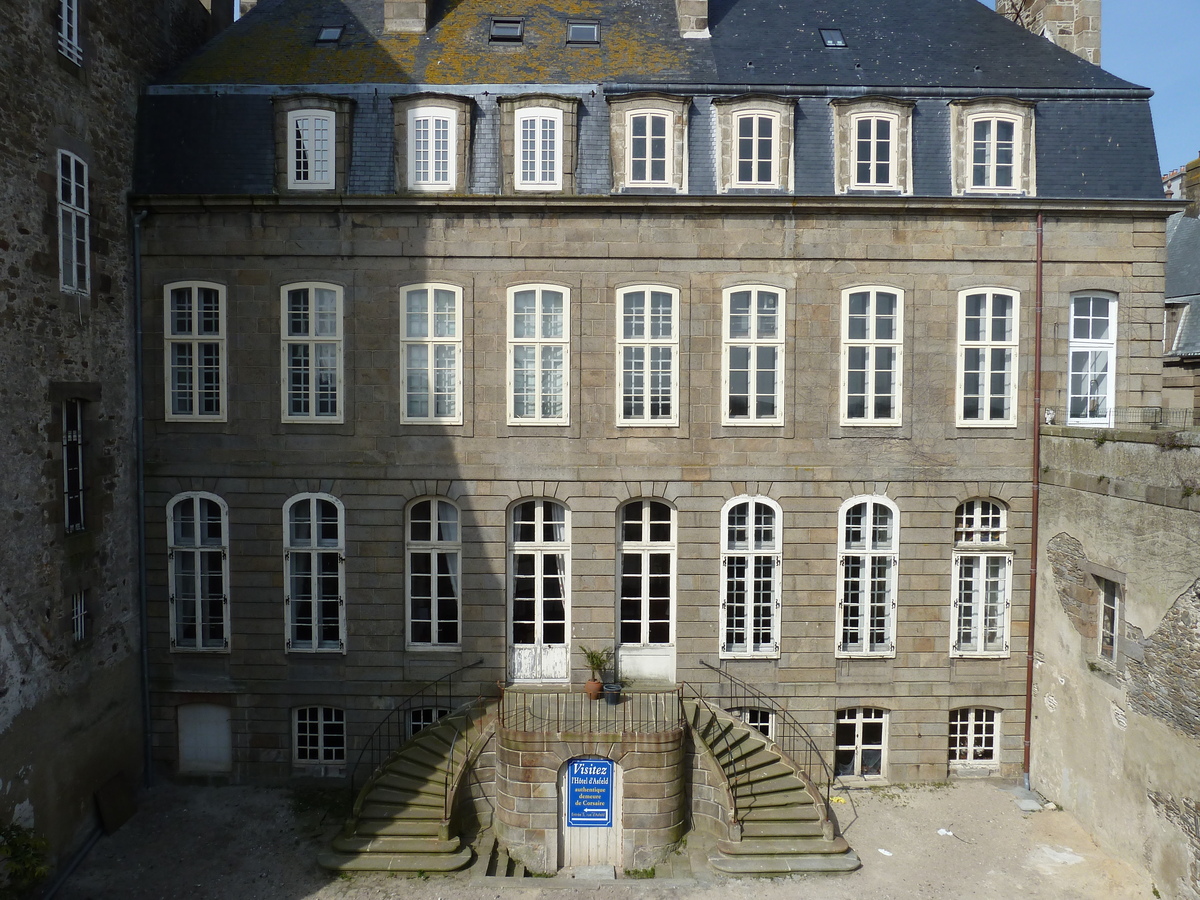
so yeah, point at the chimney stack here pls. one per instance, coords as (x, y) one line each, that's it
(693, 18)
(405, 16)
(1073, 25)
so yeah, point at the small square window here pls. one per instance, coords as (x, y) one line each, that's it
(330, 34)
(507, 30)
(583, 32)
(832, 37)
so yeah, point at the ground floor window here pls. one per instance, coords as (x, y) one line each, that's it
(320, 735)
(861, 735)
(423, 716)
(761, 720)
(973, 734)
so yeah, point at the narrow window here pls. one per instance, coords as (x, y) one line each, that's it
(973, 735)
(872, 347)
(1093, 348)
(432, 353)
(993, 153)
(312, 161)
(982, 578)
(987, 358)
(874, 151)
(755, 156)
(80, 616)
(1110, 618)
(647, 583)
(69, 44)
(538, 352)
(73, 473)
(434, 577)
(314, 555)
(649, 160)
(868, 554)
(753, 356)
(750, 582)
(320, 735)
(422, 717)
(539, 149)
(73, 217)
(312, 352)
(861, 737)
(198, 556)
(195, 351)
(431, 148)
(539, 589)
(647, 353)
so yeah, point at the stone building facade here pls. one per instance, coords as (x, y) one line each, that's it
(1073, 25)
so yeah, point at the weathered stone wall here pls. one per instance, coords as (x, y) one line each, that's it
(1073, 25)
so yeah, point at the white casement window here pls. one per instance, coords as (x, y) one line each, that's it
(312, 352)
(751, 581)
(1110, 618)
(74, 245)
(995, 152)
(861, 739)
(756, 149)
(80, 616)
(868, 556)
(432, 154)
(993, 146)
(1093, 350)
(647, 355)
(647, 582)
(539, 576)
(987, 357)
(73, 467)
(538, 355)
(434, 549)
(194, 317)
(421, 717)
(650, 136)
(752, 358)
(312, 149)
(874, 151)
(761, 720)
(872, 355)
(973, 732)
(982, 563)
(198, 558)
(319, 735)
(69, 44)
(539, 149)
(432, 353)
(314, 561)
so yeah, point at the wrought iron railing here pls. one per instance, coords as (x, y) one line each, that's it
(1134, 418)
(574, 712)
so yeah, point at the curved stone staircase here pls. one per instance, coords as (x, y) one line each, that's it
(783, 821)
(399, 823)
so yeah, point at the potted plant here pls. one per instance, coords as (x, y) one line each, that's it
(597, 661)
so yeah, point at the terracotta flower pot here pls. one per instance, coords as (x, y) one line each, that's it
(593, 688)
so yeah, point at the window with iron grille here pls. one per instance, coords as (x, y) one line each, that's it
(80, 616)
(73, 465)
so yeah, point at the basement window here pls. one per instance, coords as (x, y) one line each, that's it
(832, 37)
(330, 34)
(510, 30)
(583, 32)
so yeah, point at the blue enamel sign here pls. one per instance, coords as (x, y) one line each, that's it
(590, 793)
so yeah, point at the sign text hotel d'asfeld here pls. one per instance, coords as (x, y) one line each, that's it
(590, 793)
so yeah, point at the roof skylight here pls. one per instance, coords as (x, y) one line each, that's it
(330, 34)
(583, 31)
(832, 37)
(510, 30)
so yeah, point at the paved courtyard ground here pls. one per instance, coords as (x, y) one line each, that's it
(967, 840)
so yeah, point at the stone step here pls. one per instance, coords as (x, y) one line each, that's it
(802, 809)
(763, 767)
(416, 782)
(782, 846)
(392, 844)
(398, 826)
(775, 866)
(408, 798)
(415, 757)
(769, 786)
(782, 828)
(395, 862)
(376, 810)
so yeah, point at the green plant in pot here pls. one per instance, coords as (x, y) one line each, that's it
(597, 661)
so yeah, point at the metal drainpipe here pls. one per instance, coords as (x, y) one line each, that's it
(140, 444)
(1037, 494)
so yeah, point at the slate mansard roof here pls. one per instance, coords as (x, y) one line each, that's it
(207, 127)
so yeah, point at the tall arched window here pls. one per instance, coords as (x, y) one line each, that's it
(434, 546)
(314, 553)
(539, 591)
(982, 580)
(750, 577)
(647, 583)
(198, 555)
(868, 555)
(1093, 351)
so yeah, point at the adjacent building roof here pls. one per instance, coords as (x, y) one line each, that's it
(1183, 280)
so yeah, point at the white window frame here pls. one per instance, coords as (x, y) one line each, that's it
(1091, 406)
(1108, 631)
(432, 167)
(194, 351)
(81, 616)
(74, 218)
(974, 736)
(986, 160)
(311, 148)
(860, 718)
(987, 357)
(637, 583)
(874, 597)
(318, 551)
(421, 717)
(318, 333)
(747, 348)
(74, 465)
(551, 354)
(69, 43)
(981, 581)
(325, 744)
(892, 182)
(647, 355)
(545, 170)
(435, 333)
(191, 564)
(751, 554)
(761, 720)
(441, 550)
(861, 337)
(759, 152)
(539, 550)
(649, 157)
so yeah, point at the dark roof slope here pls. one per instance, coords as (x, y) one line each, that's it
(1183, 257)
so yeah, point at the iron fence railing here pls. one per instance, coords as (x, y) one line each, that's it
(1134, 418)
(574, 712)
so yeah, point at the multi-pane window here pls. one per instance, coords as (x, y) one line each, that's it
(422, 717)
(750, 577)
(982, 580)
(973, 734)
(1110, 618)
(198, 557)
(195, 351)
(312, 162)
(994, 145)
(761, 720)
(320, 735)
(649, 148)
(1093, 348)
(539, 150)
(987, 357)
(756, 136)
(434, 577)
(861, 738)
(874, 151)
(431, 148)
(868, 554)
(79, 616)
(314, 553)
(538, 575)
(647, 573)
(72, 451)
(69, 44)
(312, 352)
(538, 352)
(872, 348)
(753, 356)
(432, 353)
(73, 241)
(647, 349)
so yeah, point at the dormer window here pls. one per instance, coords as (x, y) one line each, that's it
(312, 142)
(993, 146)
(756, 143)
(649, 141)
(873, 144)
(507, 31)
(538, 143)
(432, 139)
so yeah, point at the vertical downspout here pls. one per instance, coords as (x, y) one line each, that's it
(140, 444)
(1037, 474)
